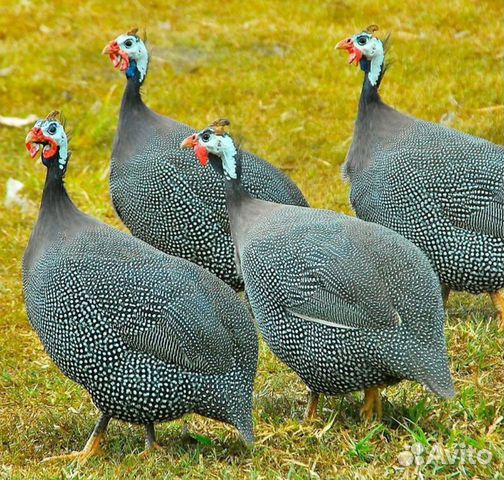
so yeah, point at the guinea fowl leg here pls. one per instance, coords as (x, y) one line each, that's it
(372, 404)
(498, 301)
(150, 440)
(92, 446)
(311, 408)
(185, 430)
(445, 293)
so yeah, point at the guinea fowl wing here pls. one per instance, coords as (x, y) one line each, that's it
(464, 175)
(156, 304)
(490, 218)
(176, 328)
(325, 277)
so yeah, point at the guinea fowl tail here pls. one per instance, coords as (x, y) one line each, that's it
(240, 409)
(229, 399)
(426, 363)
(245, 427)
(430, 367)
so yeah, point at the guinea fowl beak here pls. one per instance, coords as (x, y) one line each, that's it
(32, 141)
(349, 46)
(119, 58)
(199, 150)
(190, 142)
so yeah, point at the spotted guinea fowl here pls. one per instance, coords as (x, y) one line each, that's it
(157, 191)
(149, 336)
(441, 189)
(347, 304)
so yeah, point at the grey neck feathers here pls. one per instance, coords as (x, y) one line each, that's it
(244, 210)
(359, 155)
(58, 217)
(132, 97)
(237, 198)
(55, 200)
(55, 211)
(56, 206)
(132, 107)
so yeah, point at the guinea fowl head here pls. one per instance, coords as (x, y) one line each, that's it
(367, 51)
(129, 54)
(48, 139)
(216, 141)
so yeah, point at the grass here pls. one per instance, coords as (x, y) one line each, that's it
(270, 67)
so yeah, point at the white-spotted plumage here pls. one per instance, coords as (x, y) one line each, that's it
(439, 188)
(149, 336)
(347, 304)
(165, 199)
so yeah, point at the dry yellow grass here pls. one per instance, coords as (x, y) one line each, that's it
(270, 67)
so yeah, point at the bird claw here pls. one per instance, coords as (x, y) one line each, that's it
(81, 457)
(498, 302)
(150, 449)
(372, 406)
(91, 448)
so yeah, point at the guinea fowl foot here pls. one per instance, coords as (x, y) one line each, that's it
(372, 404)
(498, 301)
(91, 448)
(151, 444)
(150, 449)
(311, 408)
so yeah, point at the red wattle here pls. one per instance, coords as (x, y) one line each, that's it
(33, 149)
(48, 153)
(355, 56)
(201, 154)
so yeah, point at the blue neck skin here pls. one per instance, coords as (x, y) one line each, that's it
(369, 92)
(133, 72)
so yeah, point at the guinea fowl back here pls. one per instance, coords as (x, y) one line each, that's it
(385, 140)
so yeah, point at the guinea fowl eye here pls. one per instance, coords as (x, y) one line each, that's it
(205, 137)
(128, 43)
(362, 40)
(52, 129)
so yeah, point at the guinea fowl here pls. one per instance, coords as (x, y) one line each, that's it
(157, 191)
(149, 336)
(347, 304)
(441, 189)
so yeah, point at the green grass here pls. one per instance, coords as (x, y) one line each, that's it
(270, 67)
